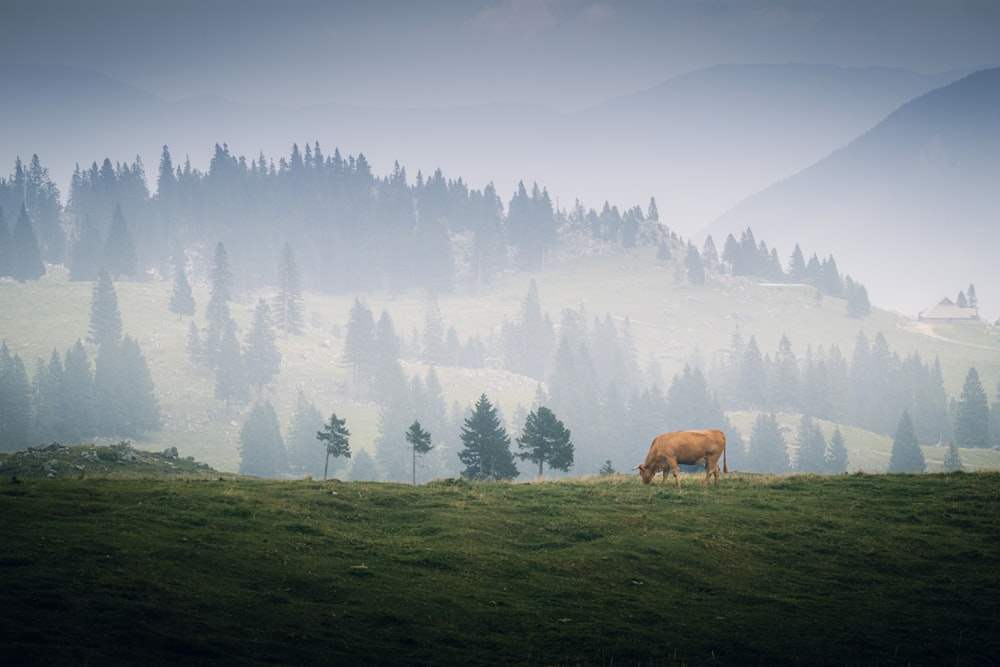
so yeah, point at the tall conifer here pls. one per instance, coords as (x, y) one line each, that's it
(105, 319)
(288, 302)
(486, 453)
(261, 357)
(906, 456)
(972, 419)
(262, 449)
(119, 249)
(182, 299)
(27, 256)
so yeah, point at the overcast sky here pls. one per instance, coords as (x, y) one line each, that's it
(565, 54)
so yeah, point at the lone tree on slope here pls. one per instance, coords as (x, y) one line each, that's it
(335, 435)
(546, 440)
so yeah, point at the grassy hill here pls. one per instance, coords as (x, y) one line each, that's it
(672, 323)
(801, 570)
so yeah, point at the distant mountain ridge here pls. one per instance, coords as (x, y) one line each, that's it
(624, 150)
(699, 143)
(911, 207)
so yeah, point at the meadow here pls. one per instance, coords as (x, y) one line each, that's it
(855, 569)
(673, 324)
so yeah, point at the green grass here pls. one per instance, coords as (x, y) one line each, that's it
(848, 570)
(671, 322)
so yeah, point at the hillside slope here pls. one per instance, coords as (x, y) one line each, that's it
(910, 208)
(673, 324)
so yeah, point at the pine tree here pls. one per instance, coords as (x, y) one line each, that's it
(304, 458)
(262, 450)
(836, 460)
(972, 418)
(953, 460)
(359, 343)
(27, 256)
(119, 251)
(288, 302)
(15, 402)
(217, 311)
(387, 371)
(230, 374)
(695, 269)
(337, 439)
(85, 255)
(768, 451)
(486, 452)
(858, 305)
(195, 352)
(394, 418)
(420, 443)
(46, 387)
(105, 319)
(182, 299)
(784, 394)
(973, 299)
(796, 266)
(124, 393)
(906, 455)
(77, 409)
(6, 250)
(752, 383)
(261, 357)
(812, 447)
(546, 440)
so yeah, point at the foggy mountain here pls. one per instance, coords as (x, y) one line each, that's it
(698, 143)
(910, 208)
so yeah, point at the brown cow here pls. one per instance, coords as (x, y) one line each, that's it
(689, 448)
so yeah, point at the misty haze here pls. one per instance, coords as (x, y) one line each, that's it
(487, 244)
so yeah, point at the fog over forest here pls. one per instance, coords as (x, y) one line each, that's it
(280, 213)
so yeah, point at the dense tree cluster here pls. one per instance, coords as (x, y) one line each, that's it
(69, 399)
(355, 230)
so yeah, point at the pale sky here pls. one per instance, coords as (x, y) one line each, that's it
(564, 54)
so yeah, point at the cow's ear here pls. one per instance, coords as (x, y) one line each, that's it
(639, 467)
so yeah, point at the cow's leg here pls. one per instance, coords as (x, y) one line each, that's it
(711, 468)
(677, 478)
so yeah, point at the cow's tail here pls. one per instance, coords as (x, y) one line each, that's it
(725, 466)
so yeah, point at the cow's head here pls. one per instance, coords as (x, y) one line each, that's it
(646, 473)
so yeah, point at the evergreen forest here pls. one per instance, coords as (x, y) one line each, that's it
(243, 249)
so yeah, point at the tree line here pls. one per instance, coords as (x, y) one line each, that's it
(486, 452)
(70, 399)
(354, 230)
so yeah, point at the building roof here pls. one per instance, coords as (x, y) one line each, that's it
(947, 310)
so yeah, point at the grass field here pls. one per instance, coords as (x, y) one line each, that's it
(848, 570)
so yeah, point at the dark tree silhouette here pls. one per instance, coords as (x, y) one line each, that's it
(262, 450)
(119, 257)
(27, 260)
(288, 301)
(261, 357)
(105, 319)
(182, 299)
(545, 440)
(972, 417)
(420, 443)
(337, 439)
(486, 453)
(217, 311)
(906, 455)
